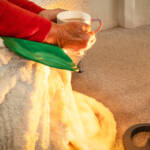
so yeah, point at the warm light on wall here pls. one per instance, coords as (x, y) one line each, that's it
(68, 4)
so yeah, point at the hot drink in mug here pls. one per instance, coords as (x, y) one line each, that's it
(77, 16)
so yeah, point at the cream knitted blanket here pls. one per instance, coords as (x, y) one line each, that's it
(40, 111)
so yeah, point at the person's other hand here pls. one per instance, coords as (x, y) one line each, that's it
(71, 36)
(51, 14)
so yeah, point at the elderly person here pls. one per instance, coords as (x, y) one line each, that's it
(24, 19)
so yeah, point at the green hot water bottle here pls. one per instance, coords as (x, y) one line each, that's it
(50, 55)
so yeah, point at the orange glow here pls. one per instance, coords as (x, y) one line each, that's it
(82, 122)
(67, 4)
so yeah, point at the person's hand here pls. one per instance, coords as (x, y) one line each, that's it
(50, 14)
(73, 36)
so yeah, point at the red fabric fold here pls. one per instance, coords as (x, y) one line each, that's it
(18, 22)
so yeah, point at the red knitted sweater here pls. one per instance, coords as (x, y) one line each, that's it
(19, 18)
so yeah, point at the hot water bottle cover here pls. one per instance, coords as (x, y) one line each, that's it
(50, 55)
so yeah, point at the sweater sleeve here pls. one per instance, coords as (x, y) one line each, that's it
(20, 23)
(28, 5)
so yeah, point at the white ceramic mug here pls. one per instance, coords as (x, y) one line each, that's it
(77, 16)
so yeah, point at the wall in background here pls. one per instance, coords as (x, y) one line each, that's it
(126, 13)
(142, 12)
(133, 13)
(107, 10)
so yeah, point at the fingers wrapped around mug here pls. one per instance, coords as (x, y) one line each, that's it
(74, 36)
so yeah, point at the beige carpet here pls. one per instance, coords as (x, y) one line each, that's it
(117, 73)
